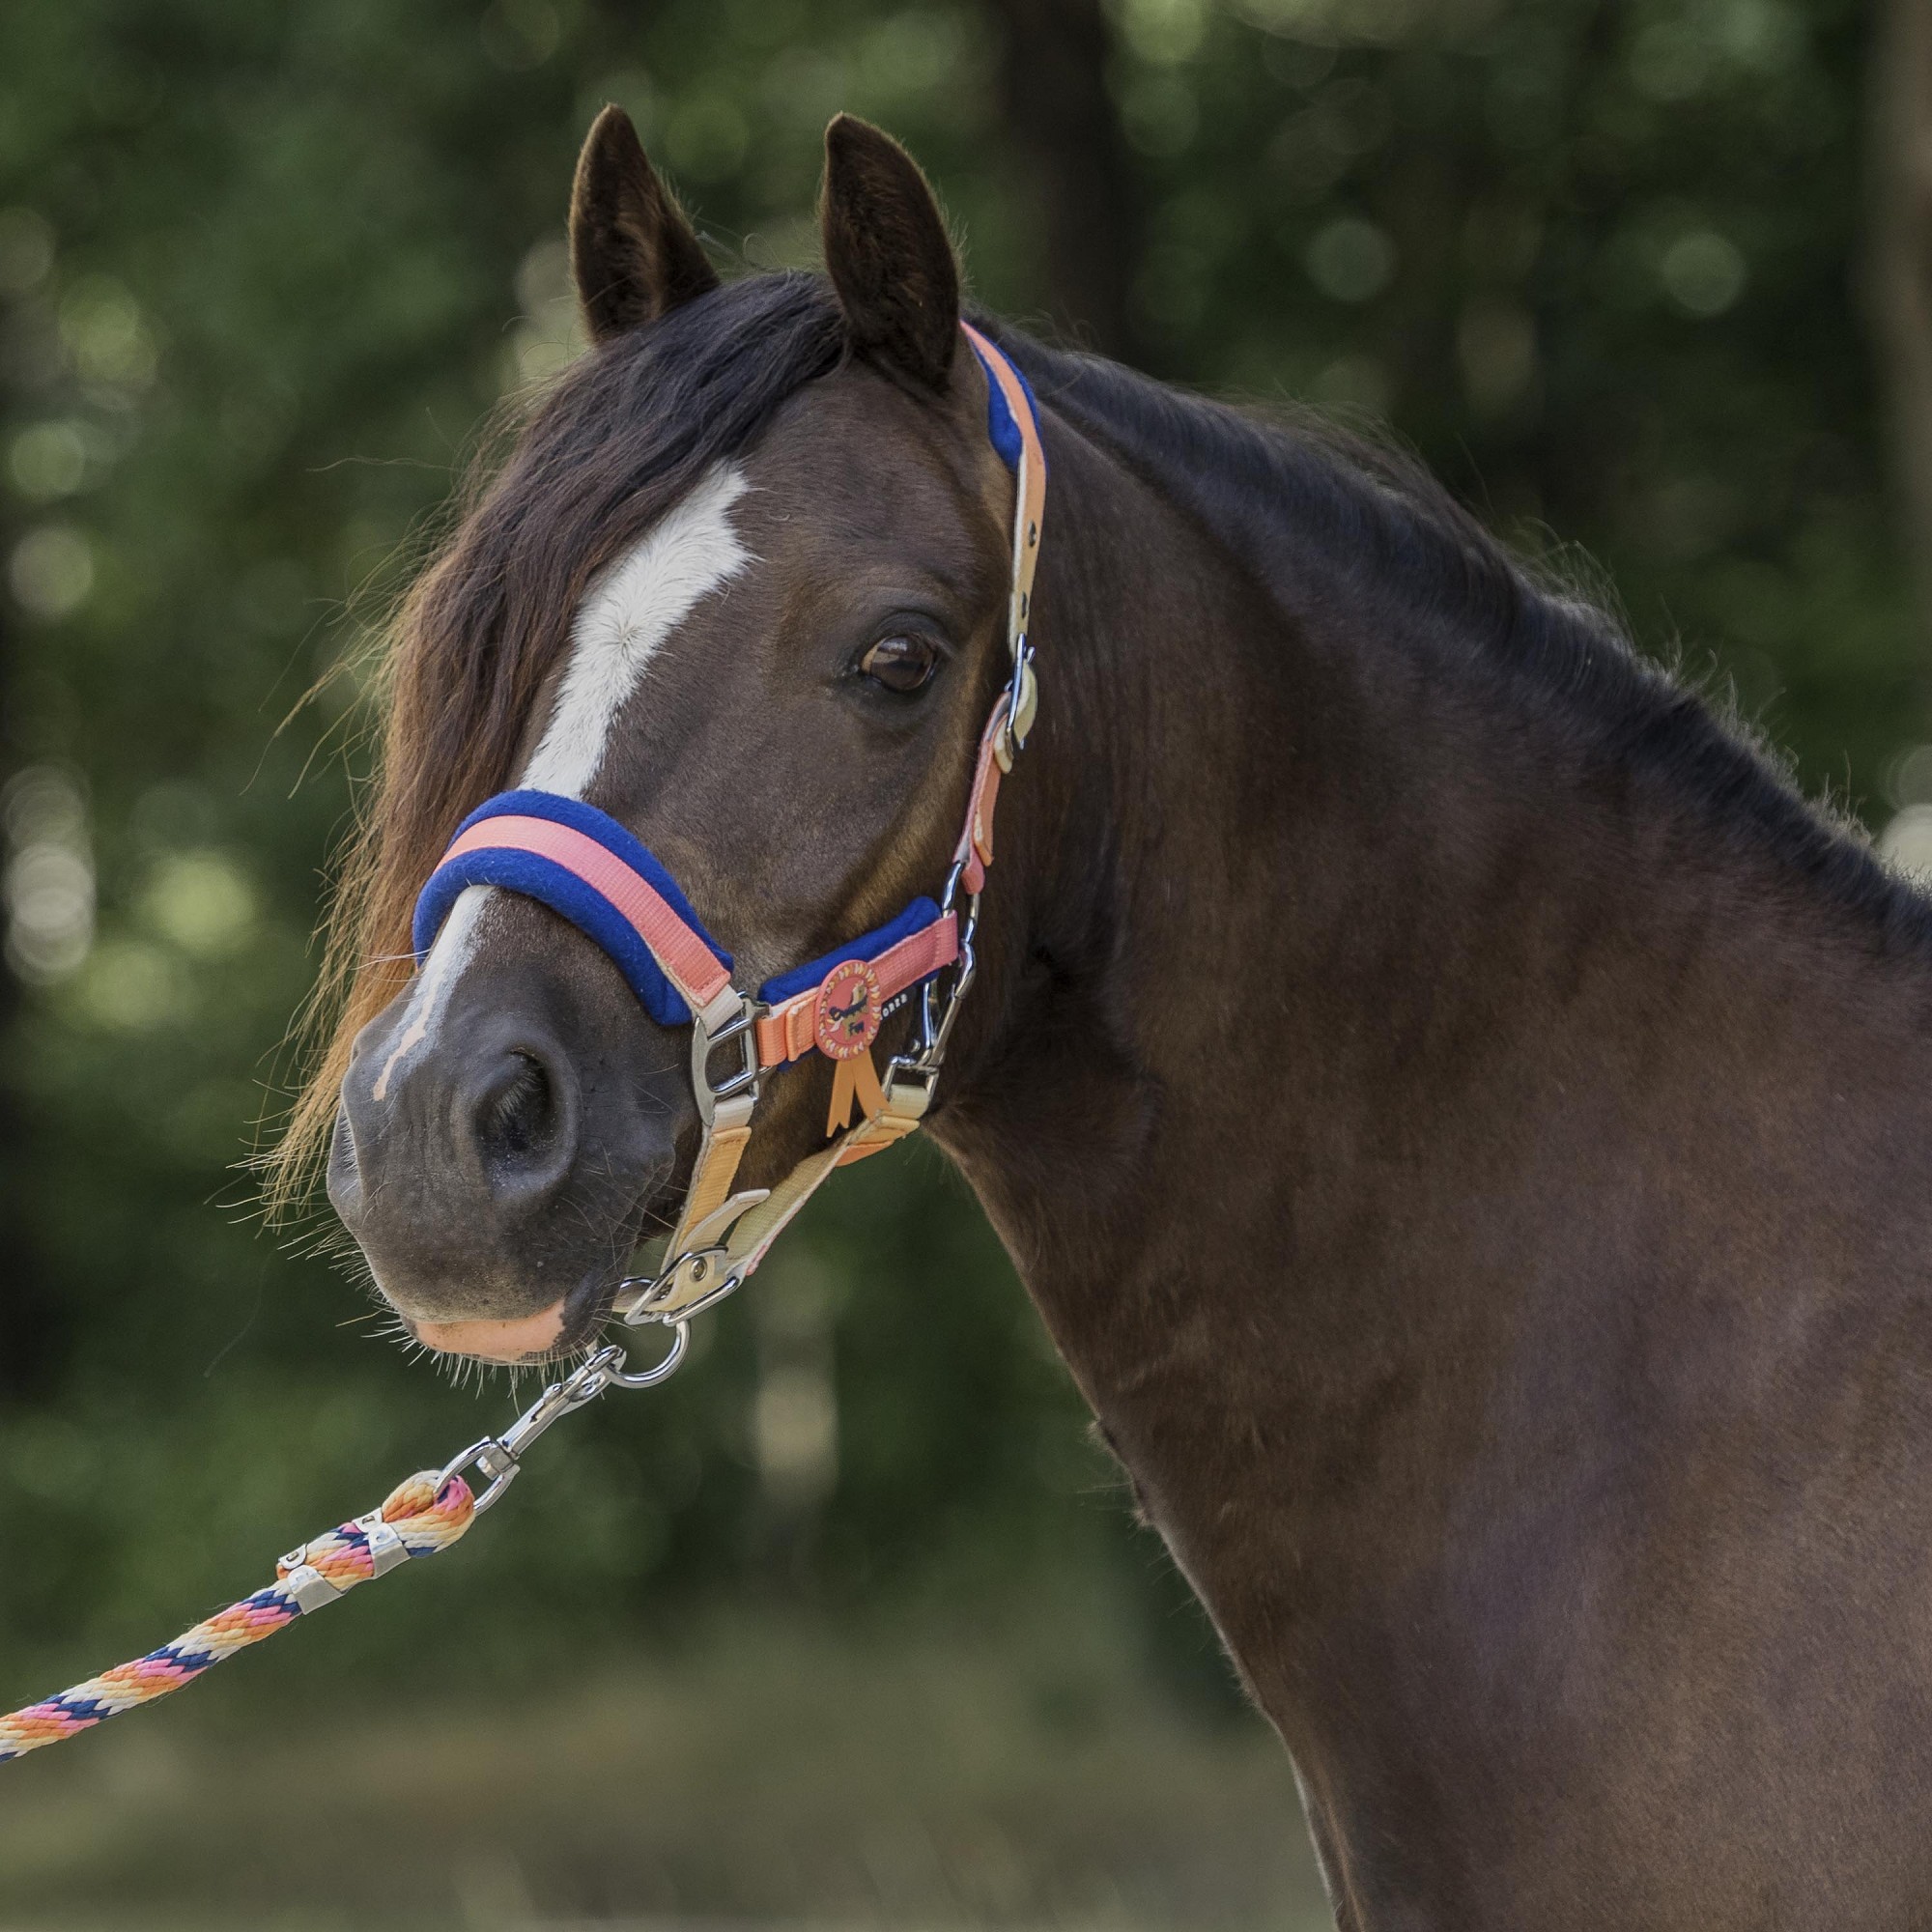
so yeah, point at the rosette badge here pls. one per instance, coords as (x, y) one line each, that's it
(844, 1024)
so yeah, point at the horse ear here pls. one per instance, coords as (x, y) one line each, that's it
(887, 251)
(632, 250)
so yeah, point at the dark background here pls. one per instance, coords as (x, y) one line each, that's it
(1634, 279)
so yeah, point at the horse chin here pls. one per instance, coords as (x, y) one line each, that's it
(563, 1329)
(531, 1338)
(525, 1340)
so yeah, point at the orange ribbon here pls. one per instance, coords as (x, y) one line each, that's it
(853, 1081)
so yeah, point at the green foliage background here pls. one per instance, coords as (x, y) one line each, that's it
(267, 268)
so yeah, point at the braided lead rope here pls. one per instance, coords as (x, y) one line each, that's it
(422, 1515)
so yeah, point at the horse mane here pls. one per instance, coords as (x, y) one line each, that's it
(629, 427)
(1315, 514)
(619, 439)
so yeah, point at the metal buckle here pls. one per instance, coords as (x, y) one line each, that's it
(386, 1547)
(650, 1293)
(308, 1588)
(1022, 703)
(741, 1027)
(691, 1272)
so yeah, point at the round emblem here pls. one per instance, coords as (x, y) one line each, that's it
(846, 1018)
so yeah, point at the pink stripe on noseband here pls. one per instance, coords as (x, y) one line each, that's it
(688, 962)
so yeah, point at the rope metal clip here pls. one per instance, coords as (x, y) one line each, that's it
(499, 1458)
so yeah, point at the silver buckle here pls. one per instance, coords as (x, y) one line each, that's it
(741, 1027)
(706, 1272)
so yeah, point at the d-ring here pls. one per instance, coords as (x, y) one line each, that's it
(644, 1378)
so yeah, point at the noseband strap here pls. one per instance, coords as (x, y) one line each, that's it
(585, 867)
(591, 870)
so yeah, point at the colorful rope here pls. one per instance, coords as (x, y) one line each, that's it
(423, 1517)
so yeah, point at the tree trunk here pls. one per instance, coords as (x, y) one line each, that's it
(1901, 263)
(28, 1322)
(1056, 105)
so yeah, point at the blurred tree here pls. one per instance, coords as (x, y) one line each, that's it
(27, 1314)
(1053, 76)
(1597, 262)
(1900, 278)
(274, 265)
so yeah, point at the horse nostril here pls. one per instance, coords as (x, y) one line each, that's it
(517, 1117)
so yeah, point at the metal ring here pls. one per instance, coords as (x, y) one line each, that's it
(644, 1378)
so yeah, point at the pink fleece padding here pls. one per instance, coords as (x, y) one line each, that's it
(689, 964)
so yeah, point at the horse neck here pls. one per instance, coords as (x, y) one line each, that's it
(1349, 1049)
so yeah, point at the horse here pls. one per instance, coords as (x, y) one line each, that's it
(1461, 1113)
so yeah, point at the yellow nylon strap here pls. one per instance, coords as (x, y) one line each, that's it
(718, 1159)
(759, 1227)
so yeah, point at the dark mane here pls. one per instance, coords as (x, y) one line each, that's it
(631, 427)
(1314, 513)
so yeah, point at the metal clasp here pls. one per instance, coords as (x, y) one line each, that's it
(1022, 703)
(743, 1083)
(704, 1274)
(704, 1271)
(499, 1458)
(939, 1004)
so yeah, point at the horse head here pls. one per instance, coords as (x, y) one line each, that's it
(740, 590)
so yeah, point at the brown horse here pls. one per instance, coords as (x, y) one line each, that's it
(1464, 1119)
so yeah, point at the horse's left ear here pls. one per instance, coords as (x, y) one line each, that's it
(887, 251)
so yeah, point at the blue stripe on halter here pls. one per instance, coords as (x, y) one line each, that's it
(868, 946)
(1002, 431)
(566, 894)
(572, 899)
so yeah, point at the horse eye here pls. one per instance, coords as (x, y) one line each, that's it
(904, 664)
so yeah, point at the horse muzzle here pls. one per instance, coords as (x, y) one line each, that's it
(495, 1180)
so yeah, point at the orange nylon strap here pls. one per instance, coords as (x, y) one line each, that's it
(787, 1030)
(716, 1168)
(975, 850)
(1030, 492)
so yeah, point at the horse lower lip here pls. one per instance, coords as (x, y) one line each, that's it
(496, 1341)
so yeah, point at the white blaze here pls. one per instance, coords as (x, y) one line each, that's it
(630, 609)
(447, 958)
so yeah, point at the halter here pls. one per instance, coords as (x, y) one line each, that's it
(589, 869)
